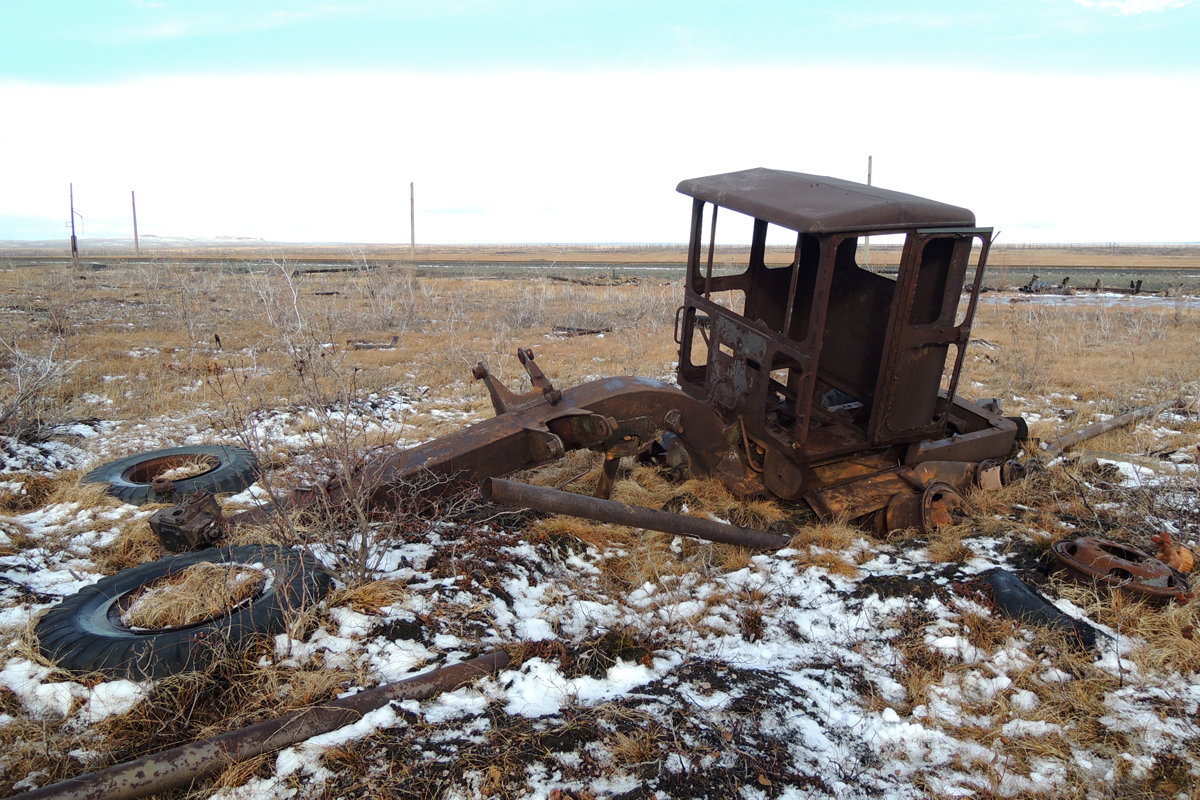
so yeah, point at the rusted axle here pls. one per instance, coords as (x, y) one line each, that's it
(557, 501)
(1058, 446)
(186, 763)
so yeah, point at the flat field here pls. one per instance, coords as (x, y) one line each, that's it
(643, 665)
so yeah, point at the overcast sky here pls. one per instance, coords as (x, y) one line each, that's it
(572, 120)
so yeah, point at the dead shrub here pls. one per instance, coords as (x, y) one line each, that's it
(29, 387)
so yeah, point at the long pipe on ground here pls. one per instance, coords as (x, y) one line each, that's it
(542, 498)
(186, 763)
(1058, 446)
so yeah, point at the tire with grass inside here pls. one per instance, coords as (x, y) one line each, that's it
(222, 468)
(85, 633)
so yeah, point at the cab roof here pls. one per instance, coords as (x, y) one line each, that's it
(819, 204)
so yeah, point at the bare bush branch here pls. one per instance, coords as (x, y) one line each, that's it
(26, 381)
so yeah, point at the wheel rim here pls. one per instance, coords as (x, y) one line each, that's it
(146, 471)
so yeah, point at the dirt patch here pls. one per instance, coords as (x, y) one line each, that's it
(888, 586)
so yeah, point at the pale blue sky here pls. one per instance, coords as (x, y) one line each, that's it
(1055, 120)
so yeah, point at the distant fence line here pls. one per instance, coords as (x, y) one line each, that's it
(1113, 246)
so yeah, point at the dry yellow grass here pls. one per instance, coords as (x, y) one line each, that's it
(198, 593)
(16, 537)
(946, 544)
(1086, 359)
(371, 597)
(829, 546)
(146, 338)
(1166, 632)
(135, 545)
(370, 256)
(183, 469)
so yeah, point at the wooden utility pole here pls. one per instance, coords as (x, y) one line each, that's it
(74, 241)
(133, 201)
(867, 247)
(412, 222)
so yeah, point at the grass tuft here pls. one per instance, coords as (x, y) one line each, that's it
(198, 593)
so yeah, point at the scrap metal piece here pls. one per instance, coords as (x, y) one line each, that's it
(858, 496)
(782, 476)
(1120, 566)
(502, 398)
(1059, 445)
(938, 505)
(608, 476)
(557, 501)
(959, 474)
(1022, 602)
(521, 438)
(1011, 471)
(194, 524)
(184, 764)
(536, 377)
(162, 486)
(990, 475)
(365, 344)
(1175, 555)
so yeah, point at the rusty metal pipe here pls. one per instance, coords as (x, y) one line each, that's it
(1057, 446)
(186, 763)
(557, 501)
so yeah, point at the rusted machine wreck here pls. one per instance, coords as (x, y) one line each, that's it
(812, 379)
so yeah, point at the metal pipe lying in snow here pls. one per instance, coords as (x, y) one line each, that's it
(557, 501)
(184, 764)
(1057, 446)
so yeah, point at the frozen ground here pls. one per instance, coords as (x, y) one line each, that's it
(771, 679)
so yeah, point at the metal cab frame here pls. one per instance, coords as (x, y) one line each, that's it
(819, 358)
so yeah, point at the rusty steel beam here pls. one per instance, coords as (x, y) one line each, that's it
(182, 765)
(557, 501)
(1057, 446)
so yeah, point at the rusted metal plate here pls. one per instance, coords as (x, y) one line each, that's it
(857, 497)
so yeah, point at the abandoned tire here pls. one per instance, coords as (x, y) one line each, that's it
(86, 632)
(218, 468)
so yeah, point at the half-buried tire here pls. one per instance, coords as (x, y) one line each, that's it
(87, 632)
(216, 468)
